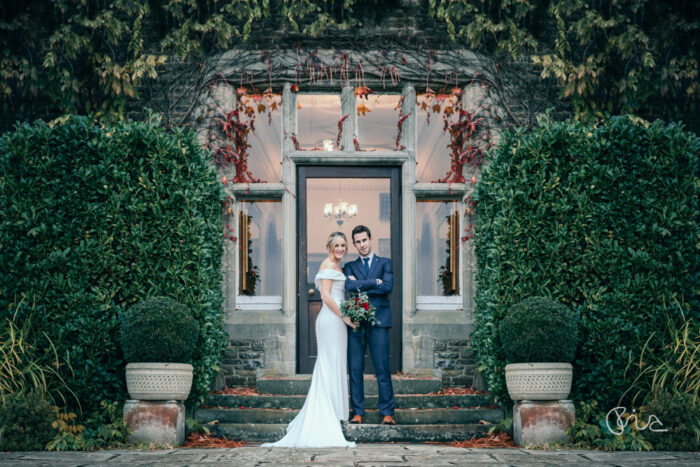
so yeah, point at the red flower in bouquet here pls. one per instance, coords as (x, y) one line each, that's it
(359, 309)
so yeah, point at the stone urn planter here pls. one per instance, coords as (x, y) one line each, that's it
(157, 336)
(539, 381)
(159, 381)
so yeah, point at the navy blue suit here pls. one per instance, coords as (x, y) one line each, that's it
(376, 336)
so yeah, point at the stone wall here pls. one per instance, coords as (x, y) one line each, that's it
(456, 360)
(241, 359)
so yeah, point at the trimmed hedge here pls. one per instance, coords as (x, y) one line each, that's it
(603, 218)
(95, 218)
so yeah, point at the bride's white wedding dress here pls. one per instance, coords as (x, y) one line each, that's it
(318, 422)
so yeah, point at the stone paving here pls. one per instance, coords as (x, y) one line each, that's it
(362, 455)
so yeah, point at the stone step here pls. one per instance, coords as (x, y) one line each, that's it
(402, 416)
(299, 384)
(364, 433)
(402, 401)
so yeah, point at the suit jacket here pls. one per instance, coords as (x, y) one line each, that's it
(378, 294)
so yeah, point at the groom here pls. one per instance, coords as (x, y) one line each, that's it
(374, 276)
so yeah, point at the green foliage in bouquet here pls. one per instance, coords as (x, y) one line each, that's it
(93, 219)
(359, 309)
(158, 329)
(602, 218)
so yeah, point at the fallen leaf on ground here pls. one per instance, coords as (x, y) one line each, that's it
(197, 440)
(238, 391)
(501, 440)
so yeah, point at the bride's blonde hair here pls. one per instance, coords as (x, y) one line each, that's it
(332, 237)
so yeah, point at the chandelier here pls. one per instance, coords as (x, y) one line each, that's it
(339, 211)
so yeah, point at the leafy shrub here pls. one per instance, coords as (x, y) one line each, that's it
(158, 330)
(680, 415)
(538, 330)
(591, 430)
(104, 430)
(29, 362)
(674, 365)
(95, 218)
(25, 422)
(602, 218)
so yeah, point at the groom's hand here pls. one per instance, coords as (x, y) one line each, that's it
(352, 278)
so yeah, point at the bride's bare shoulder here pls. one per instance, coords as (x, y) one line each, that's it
(327, 265)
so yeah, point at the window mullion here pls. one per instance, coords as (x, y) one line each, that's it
(348, 107)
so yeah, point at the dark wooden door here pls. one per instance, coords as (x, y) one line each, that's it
(376, 194)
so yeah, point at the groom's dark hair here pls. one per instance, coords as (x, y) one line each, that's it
(360, 229)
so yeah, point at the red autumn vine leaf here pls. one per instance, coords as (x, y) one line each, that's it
(294, 88)
(257, 97)
(240, 92)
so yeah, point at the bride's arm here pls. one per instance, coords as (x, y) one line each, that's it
(327, 298)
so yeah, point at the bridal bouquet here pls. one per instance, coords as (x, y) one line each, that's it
(359, 309)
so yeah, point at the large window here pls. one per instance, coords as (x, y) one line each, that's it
(317, 121)
(259, 249)
(438, 250)
(433, 136)
(377, 121)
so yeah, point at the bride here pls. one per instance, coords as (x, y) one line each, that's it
(318, 422)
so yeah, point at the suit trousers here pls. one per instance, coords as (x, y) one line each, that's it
(378, 340)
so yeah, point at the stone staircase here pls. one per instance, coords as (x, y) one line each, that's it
(421, 414)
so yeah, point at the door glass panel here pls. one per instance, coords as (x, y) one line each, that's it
(317, 121)
(438, 243)
(377, 121)
(340, 204)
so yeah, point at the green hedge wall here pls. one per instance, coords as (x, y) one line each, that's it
(603, 218)
(94, 218)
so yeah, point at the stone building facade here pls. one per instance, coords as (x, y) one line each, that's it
(320, 138)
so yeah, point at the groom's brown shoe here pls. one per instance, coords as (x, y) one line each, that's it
(388, 420)
(357, 419)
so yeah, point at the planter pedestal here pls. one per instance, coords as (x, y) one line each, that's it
(158, 422)
(539, 422)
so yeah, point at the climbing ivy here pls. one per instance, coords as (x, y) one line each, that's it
(618, 56)
(74, 56)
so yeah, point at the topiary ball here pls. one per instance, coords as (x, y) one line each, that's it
(539, 330)
(158, 329)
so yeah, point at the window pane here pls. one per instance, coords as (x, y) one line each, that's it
(317, 121)
(260, 248)
(377, 121)
(265, 151)
(433, 150)
(437, 223)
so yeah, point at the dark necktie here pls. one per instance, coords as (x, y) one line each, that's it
(366, 261)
